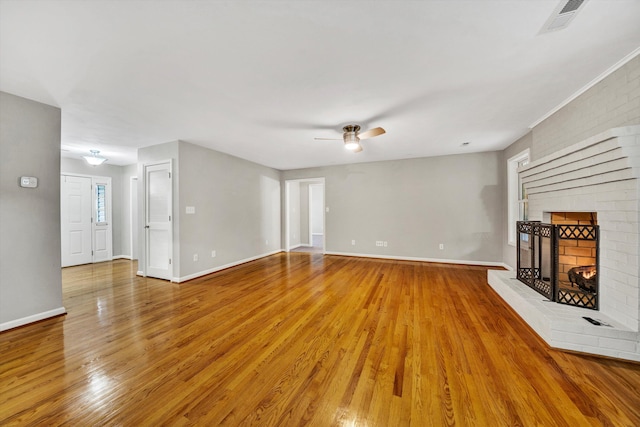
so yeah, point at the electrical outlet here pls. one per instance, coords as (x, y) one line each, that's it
(353, 243)
(266, 242)
(385, 243)
(380, 243)
(195, 257)
(213, 254)
(441, 246)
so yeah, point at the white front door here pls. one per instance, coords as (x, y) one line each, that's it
(102, 236)
(75, 217)
(158, 221)
(85, 216)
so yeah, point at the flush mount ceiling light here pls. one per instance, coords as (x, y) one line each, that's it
(94, 159)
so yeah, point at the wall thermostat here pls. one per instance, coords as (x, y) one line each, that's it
(28, 182)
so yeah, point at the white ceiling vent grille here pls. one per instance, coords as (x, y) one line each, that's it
(563, 15)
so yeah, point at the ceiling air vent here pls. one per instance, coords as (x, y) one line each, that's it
(562, 15)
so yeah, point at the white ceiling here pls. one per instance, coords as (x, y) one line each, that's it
(261, 79)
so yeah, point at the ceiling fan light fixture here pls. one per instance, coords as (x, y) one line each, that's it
(94, 159)
(351, 141)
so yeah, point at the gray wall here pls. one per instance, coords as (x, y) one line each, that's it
(613, 102)
(414, 205)
(237, 209)
(30, 278)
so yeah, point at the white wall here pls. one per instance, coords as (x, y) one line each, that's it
(317, 208)
(304, 214)
(414, 205)
(294, 214)
(30, 254)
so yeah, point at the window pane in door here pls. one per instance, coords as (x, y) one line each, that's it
(101, 205)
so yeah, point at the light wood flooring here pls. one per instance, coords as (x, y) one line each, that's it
(300, 339)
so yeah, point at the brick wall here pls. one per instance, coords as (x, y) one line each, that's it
(613, 102)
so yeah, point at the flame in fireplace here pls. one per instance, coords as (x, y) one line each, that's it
(588, 273)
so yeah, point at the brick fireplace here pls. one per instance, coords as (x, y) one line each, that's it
(597, 180)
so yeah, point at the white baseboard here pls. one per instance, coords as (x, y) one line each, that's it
(296, 246)
(223, 267)
(400, 258)
(437, 260)
(140, 273)
(33, 318)
(121, 257)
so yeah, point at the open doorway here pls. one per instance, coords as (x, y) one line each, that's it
(304, 213)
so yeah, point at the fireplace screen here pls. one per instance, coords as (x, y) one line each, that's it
(560, 261)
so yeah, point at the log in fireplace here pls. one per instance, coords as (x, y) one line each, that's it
(559, 261)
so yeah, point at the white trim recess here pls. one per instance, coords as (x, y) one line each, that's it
(121, 257)
(434, 260)
(588, 86)
(33, 318)
(223, 267)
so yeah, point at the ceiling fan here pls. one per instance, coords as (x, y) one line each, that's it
(352, 137)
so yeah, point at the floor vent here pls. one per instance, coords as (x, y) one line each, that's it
(562, 15)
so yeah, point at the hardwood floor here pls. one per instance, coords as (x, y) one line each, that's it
(300, 339)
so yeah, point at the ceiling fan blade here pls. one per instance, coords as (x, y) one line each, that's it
(371, 133)
(359, 149)
(328, 139)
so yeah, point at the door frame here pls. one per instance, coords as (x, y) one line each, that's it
(145, 248)
(287, 182)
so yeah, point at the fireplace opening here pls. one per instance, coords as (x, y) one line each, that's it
(560, 260)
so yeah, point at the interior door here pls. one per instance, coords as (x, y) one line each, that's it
(75, 216)
(158, 221)
(101, 228)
